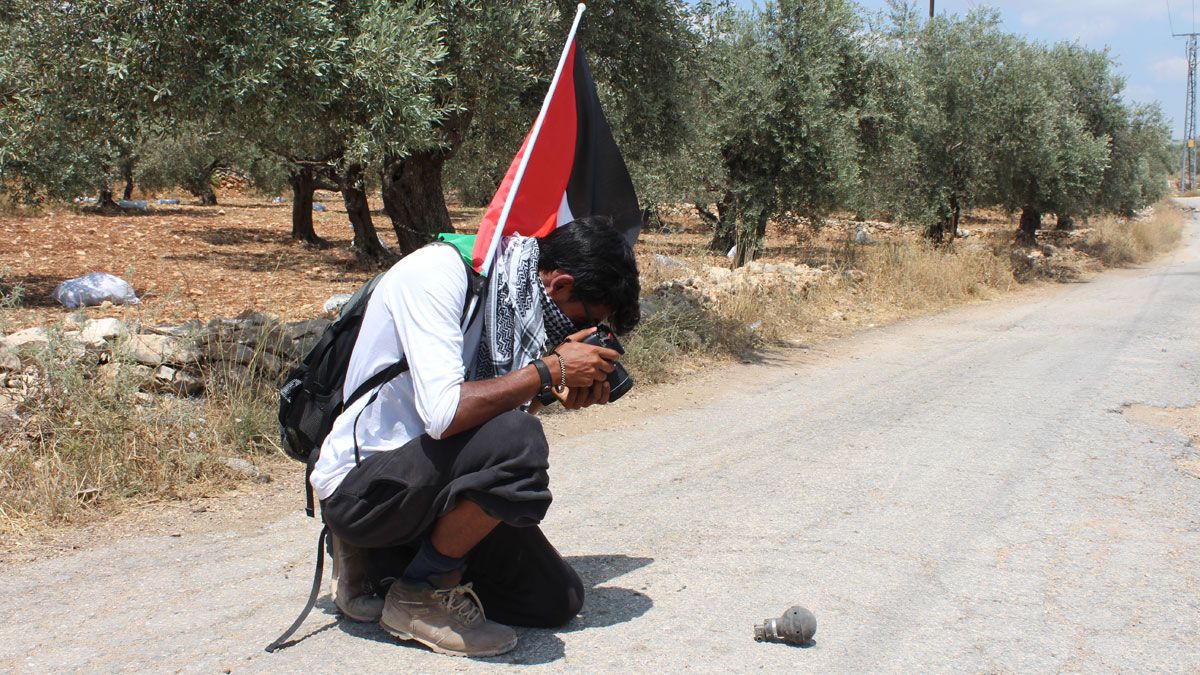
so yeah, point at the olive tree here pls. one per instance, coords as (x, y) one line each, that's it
(779, 116)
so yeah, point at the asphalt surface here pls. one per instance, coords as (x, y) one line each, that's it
(956, 493)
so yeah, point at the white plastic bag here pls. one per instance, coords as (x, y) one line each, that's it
(93, 289)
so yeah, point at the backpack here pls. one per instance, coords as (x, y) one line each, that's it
(312, 396)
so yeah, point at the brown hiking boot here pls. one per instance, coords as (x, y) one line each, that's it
(352, 593)
(447, 620)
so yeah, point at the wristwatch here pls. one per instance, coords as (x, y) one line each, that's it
(545, 395)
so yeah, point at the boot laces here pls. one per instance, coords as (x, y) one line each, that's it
(463, 602)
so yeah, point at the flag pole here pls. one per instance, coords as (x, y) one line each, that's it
(533, 136)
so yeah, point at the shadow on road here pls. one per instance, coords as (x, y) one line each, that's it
(603, 606)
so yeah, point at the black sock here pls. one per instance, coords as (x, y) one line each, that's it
(428, 563)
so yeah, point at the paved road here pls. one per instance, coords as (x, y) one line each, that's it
(955, 493)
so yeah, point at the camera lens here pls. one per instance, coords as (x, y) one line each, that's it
(619, 382)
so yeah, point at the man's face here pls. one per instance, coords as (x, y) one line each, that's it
(559, 285)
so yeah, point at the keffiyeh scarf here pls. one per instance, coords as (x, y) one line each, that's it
(520, 321)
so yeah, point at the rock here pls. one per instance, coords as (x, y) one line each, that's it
(114, 373)
(861, 237)
(29, 338)
(241, 466)
(9, 361)
(157, 350)
(717, 273)
(74, 321)
(669, 262)
(302, 335)
(178, 381)
(187, 329)
(97, 332)
(335, 302)
(319, 207)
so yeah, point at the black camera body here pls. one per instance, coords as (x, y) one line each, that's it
(619, 380)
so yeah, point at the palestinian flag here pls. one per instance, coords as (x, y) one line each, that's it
(574, 167)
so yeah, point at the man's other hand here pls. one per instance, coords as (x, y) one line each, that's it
(575, 398)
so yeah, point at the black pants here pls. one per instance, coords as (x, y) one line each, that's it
(390, 500)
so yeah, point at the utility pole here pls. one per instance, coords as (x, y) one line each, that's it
(931, 9)
(1187, 165)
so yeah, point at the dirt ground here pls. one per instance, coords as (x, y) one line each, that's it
(199, 262)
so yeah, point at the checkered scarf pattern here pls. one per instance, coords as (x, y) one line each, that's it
(520, 321)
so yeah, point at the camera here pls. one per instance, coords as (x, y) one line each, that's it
(619, 381)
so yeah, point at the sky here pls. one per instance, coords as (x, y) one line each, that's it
(1137, 33)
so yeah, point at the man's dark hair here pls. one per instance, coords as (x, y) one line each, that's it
(592, 251)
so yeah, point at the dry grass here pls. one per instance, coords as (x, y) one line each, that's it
(863, 286)
(1117, 242)
(87, 442)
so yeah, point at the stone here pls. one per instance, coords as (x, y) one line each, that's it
(178, 381)
(114, 372)
(9, 361)
(245, 355)
(28, 338)
(97, 332)
(245, 468)
(157, 350)
(186, 329)
(668, 262)
(861, 237)
(74, 321)
(335, 302)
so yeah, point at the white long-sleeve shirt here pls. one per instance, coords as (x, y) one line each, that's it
(415, 310)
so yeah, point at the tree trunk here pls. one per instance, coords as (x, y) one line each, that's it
(1065, 222)
(127, 175)
(1031, 222)
(750, 241)
(207, 197)
(724, 230)
(956, 210)
(413, 194)
(105, 203)
(204, 189)
(947, 227)
(302, 182)
(414, 199)
(366, 244)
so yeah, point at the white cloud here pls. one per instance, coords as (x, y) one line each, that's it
(1141, 93)
(1170, 69)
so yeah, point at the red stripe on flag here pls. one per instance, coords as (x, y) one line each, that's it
(535, 209)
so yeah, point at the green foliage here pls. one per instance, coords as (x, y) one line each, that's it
(777, 111)
(1045, 158)
(786, 112)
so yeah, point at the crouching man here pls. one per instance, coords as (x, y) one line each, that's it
(443, 461)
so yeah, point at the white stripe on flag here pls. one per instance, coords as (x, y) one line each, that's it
(564, 212)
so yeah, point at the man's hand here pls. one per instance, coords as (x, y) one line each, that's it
(586, 365)
(575, 398)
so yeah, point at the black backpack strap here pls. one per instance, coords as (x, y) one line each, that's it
(281, 641)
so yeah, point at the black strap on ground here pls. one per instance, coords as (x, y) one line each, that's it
(281, 641)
